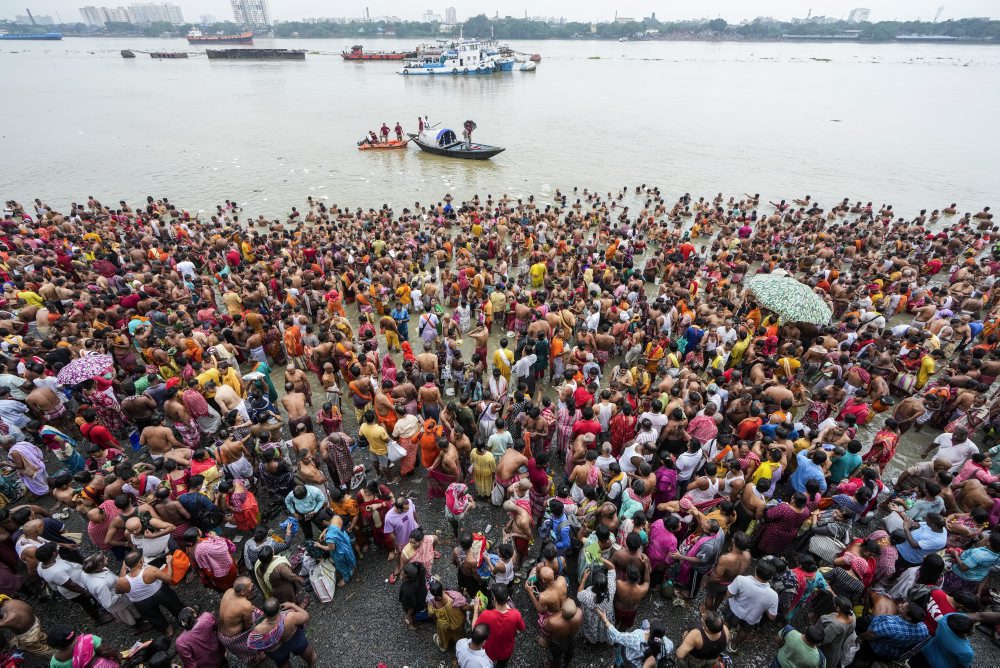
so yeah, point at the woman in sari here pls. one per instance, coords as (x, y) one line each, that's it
(883, 446)
(208, 418)
(30, 464)
(374, 501)
(63, 447)
(566, 417)
(80, 650)
(105, 404)
(781, 525)
(339, 545)
(240, 504)
(388, 370)
(853, 572)
(448, 609)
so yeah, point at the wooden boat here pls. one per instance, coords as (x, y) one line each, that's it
(357, 52)
(127, 53)
(447, 144)
(392, 143)
(197, 37)
(168, 54)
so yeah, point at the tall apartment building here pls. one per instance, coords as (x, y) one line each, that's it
(450, 15)
(252, 14)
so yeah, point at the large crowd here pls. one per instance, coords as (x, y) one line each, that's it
(239, 401)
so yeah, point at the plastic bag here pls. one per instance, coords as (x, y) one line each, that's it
(290, 522)
(181, 564)
(396, 451)
(323, 578)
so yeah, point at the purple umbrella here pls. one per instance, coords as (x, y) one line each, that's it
(85, 368)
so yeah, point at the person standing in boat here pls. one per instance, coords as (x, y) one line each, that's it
(467, 133)
(385, 132)
(399, 132)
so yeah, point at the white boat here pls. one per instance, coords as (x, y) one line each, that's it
(467, 57)
(527, 66)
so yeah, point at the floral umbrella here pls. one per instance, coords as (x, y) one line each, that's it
(791, 300)
(85, 368)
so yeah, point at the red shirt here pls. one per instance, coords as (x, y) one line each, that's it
(747, 429)
(503, 627)
(937, 607)
(582, 397)
(98, 435)
(586, 427)
(233, 257)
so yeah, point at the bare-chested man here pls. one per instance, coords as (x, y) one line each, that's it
(162, 443)
(236, 614)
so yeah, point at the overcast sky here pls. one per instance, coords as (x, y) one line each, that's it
(581, 10)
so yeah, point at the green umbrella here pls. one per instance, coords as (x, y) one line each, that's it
(791, 300)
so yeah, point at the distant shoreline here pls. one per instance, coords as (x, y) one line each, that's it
(792, 39)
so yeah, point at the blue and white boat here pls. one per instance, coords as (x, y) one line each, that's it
(471, 56)
(47, 36)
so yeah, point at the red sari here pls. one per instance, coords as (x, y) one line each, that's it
(883, 449)
(373, 515)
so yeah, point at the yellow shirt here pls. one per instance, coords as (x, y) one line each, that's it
(538, 271)
(31, 298)
(787, 366)
(207, 375)
(503, 359)
(927, 369)
(377, 437)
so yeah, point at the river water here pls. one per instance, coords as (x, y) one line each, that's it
(912, 125)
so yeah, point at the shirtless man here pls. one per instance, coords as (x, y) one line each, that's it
(171, 511)
(228, 400)
(562, 630)
(972, 494)
(46, 406)
(304, 440)
(26, 631)
(519, 528)
(297, 377)
(427, 361)
(294, 404)
(731, 564)
(584, 474)
(429, 396)
(628, 594)
(162, 443)
(447, 460)
(507, 467)
(293, 639)
(236, 612)
(547, 595)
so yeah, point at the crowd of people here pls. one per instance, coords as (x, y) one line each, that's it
(243, 401)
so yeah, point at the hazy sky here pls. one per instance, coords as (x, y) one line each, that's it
(583, 10)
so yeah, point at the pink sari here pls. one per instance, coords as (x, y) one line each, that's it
(690, 548)
(388, 370)
(85, 655)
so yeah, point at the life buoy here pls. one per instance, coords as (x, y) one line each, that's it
(406, 71)
(465, 71)
(454, 70)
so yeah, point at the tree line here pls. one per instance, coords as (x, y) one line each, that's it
(515, 28)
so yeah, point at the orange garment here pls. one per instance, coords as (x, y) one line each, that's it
(293, 341)
(427, 440)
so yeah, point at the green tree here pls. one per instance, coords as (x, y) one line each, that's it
(717, 25)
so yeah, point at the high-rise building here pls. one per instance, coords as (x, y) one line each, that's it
(450, 15)
(252, 14)
(93, 16)
(859, 15)
(40, 20)
(156, 12)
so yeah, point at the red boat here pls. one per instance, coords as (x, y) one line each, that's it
(357, 52)
(197, 37)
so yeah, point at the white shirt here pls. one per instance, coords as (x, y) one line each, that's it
(471, 658)
(658, 420)
(688, 463)
(13, 412)
(750, 599)
(522, 367)
(625, 461)
(956, 453)
(186, 269)
(593, 321)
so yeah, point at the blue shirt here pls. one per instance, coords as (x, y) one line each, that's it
(979, 560)
(895, 635)
(946, 648)
(807, 471)
(313, 501)
(558, 530)
(929, 541)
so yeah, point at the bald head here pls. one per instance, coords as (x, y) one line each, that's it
(243, 586)
(568, 608)
(546, 574)
(133, 524)
(33, 528)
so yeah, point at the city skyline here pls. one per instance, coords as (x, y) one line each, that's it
(578, 10)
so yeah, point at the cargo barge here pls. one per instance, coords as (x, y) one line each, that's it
(256, 54)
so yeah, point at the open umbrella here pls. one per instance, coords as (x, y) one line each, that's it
(791, 300)
(85, 368)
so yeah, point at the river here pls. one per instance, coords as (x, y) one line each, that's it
(907, 124)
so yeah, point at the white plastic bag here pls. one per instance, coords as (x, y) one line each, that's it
(323, 578)
(396, 451)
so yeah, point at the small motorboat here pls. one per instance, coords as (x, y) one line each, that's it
(168, 54)
(382, 145)
(446, 143)
(128, 53)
